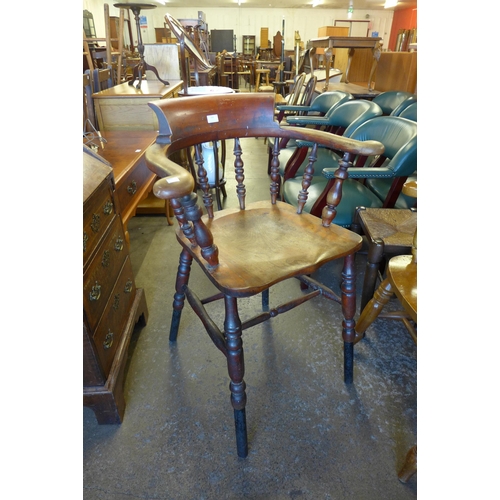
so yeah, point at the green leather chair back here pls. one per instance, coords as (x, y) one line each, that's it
(324, 102)
(390, 100)
(407, 102)
(392, 131)
(410, 113)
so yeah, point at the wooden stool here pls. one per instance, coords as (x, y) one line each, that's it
(265, 87)
(388, 231)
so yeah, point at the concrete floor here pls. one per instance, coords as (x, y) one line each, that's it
(310, 435)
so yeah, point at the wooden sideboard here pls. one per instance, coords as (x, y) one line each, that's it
(124, 107)
(112, 304)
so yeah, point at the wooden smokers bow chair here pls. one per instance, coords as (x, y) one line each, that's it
(244, 251)
(401, 281)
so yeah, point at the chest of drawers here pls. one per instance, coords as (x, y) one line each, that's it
(112, 304)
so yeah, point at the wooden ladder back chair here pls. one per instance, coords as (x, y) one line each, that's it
(245, 251)
(110, 50)
(401, 281)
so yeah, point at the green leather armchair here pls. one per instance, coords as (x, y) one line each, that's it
(373, 181)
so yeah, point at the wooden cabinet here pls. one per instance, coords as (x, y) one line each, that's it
(124, 107)
(248, 45)
(112, 304)
(264, 38)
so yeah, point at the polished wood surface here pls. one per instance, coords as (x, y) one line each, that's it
(352, 43)
(357, 91)
(245, 251)
(124, 150)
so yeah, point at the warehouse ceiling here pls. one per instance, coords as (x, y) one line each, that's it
(286, 4)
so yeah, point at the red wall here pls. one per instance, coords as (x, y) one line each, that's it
(403, 19)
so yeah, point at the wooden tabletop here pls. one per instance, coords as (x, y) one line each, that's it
(357, 91)
(149, 88)
(123, 147)
(346, 42)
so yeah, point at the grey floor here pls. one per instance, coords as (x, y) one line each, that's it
(310, 435)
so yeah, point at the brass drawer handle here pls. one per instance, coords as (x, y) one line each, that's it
(108, 207)
(116, 302)
(128, 286)
(106, 258)
(132, 188)
(119, 244)
(85, 240)
(108, 341)
(95, 293)
(96, 222)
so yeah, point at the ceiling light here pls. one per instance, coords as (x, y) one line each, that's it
(316, 3)
(390, 3)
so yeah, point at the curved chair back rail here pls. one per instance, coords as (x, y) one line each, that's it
(391, 99)
(215, 118)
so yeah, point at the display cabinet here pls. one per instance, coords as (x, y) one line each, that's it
(248, 45)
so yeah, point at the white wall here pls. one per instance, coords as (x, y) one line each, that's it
(249, 21)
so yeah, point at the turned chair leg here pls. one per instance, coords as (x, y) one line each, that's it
(183, 272)
(374, 307)
(410, 466)
(236, 369)
(374, 258)
(348, 296)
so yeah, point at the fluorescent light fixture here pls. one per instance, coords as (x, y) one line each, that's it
(390, 3)
(317, 2)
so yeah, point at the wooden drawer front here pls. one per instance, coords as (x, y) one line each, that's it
(100, 277)
(98, 213)
(109, 332)
(130, 186)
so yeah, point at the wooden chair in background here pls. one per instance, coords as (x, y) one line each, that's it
(245, 251)
(401, 281)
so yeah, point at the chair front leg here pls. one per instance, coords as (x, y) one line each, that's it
(183, 271)
(236, 369)
(348, 295)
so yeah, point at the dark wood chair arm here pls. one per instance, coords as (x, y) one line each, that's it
(175, 181)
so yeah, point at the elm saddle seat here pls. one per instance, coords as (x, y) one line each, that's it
(244, 251)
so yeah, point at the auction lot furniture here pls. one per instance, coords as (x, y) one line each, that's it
(112, 304)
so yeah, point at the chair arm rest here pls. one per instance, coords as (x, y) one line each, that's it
(333, 141)
(175, 181)
(307, 120)
(362, 173)
(292, 107)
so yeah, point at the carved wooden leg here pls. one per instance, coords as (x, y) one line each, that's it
(236, 369)
(374, 258)
(373, 308)
(265, 300)
(183, 272)
(410, 466)
(348, 289)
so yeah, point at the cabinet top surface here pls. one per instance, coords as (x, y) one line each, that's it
(94, 172)
(149, 89)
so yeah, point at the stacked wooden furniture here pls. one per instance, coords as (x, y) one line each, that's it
(112, 304)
